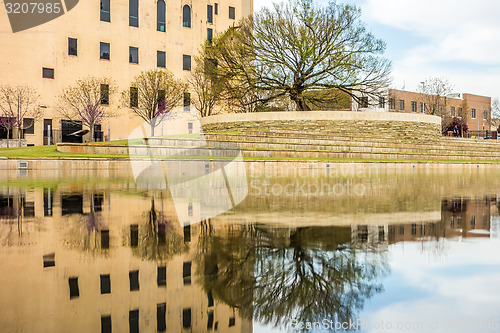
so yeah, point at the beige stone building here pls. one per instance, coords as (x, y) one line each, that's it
(109, 38)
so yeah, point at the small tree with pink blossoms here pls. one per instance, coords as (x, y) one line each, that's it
(17, 105)
(87, 101)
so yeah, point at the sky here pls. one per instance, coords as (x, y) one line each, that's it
(455, 40)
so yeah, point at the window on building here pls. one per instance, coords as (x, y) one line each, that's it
(29, 126)
(186, 272)
(161, 323)
(47, 73)
(71, 203)
(134, 97)
(133, 55)
(105, 284)
(363, 102)
(422, 107)
(473, 113)
(401, 105)
(105, 11)
(232, 321)
(134, 235)
(74, 291)
(186, 16)
(28, 208)
(413, 229)
(210, 299)
(187, 102)
(413, 106)
(133, 13)
(49, 260)
(105, 324)
(161, 59)
(381, 102)
(133, 321)
(485, 114)
(104, 51)
(210, 35)
(460, 110)
(210, 14)
(210, 320)
(134, 280)
(186, 62)
(104, 94)
(232, 13)
(216, 9)
(392, 104)
(161, 100)
(160, 16)
(161, 277)
(104, 239)
(187, 232)
(186, 318)
(452, 111)
(72, 46)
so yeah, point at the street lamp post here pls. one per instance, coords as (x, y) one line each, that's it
(423, 97)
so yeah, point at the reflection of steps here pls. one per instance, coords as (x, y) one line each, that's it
(292, 145)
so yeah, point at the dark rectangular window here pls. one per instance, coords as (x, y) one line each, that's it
(28, 208)
(161, 59)
(485, 114)
(187, 102)
(413, 106)
(452, 111)
(210, 14)
(186, 272)
(134, 280)
(187, 233)
(210, 299)
(210, 35)
(105, 11)
(29, 125)
(49, 260)
(401, 105)
(72, 46)
(381, 102)
(186, 318)
(106, 324)
(104, 239)
(363, 102)
(105, 284)
(232, 13)
(422, 107)
(133, 13)
(161, 99)
(133, 321)
(71, 204)
(161, 278)
(413, 229)
(473, 113)
(232, 321)
(133, 55)
(186, 62)
(134, 235)
(104, 51)
(392, 104)
(216, 9)
(74, 292)
(134, 97)
(210, 320)
(104, 94)
(161, 323)
(47, 73)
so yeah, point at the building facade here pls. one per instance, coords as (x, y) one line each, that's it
(474, 109)
(109, 38)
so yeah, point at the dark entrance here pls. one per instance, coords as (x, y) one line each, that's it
(46, 124)
(68, 127)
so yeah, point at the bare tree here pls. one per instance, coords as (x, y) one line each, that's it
(495, 114)
(153, 94)
(208, 90)
(300, 47)
(87, 101)
(19, 108)
(434, 92)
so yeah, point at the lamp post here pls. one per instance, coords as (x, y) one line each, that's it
(423, 97)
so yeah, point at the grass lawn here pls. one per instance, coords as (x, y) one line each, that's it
(47, 152)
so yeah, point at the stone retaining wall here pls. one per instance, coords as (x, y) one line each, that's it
(399, 126)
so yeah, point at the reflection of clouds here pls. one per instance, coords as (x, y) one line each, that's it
(463, 286)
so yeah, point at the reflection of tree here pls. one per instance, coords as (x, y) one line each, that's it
(279, 275)
(158, 238)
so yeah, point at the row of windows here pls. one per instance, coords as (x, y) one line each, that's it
(105, 14)
(392, 106)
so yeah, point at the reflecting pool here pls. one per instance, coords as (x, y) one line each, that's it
(388, 251)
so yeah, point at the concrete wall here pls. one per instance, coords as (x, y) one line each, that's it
(13, 143)
(408, 127)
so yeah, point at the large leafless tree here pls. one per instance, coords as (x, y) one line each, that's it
(19, 108)
(153, 94)
(87, 101)
(297, 48)
(434, 92)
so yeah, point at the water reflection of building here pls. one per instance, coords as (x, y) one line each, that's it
(91, 265)
(460, 217)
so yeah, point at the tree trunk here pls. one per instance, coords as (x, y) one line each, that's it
(152, 124)
(8, 134)
(92, 127)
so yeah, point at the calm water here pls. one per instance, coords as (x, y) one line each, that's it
(381, 251)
